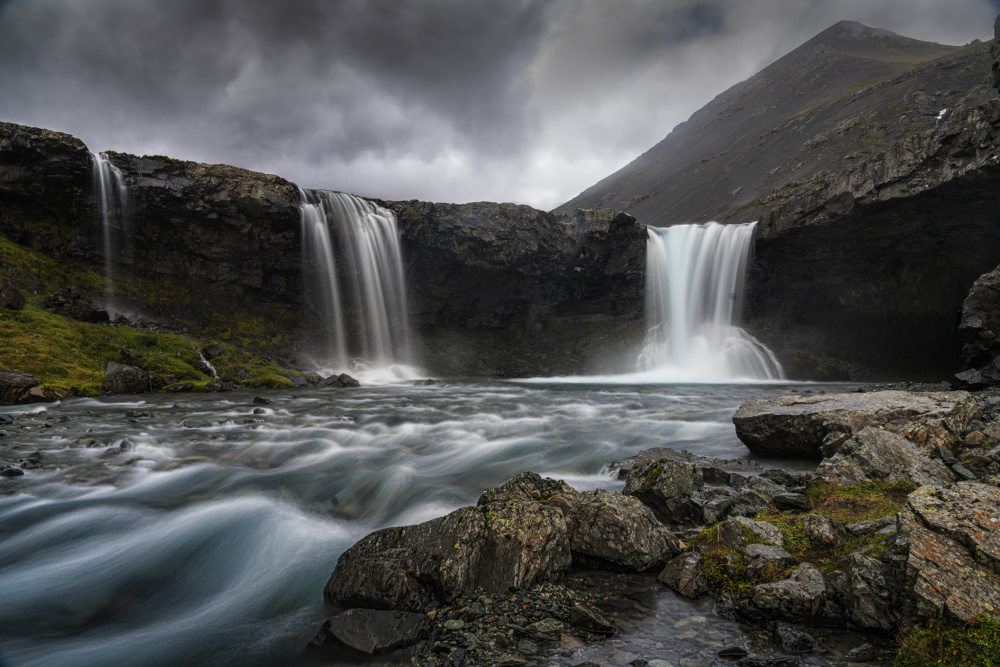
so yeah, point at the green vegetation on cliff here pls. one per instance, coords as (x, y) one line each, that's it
(977, 643)
(69, 356)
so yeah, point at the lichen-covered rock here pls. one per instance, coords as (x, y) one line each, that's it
(737, 531)
(666, 487)
(496, 548)
(805, 598)
(762, 556)
(952, 546)
(798, 424)
(878, 454)
(610, 529)
(864, 588)
(17, 388)
(685, 575)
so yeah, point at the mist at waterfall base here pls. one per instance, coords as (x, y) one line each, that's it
(210, 540)
(695, 280)
(354, 281)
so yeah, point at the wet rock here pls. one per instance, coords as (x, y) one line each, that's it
(824, 531)
(373, 632)
(736, 532)
(865, 593)
(195, 423)
(17, 388)
(754, 494)
(122, 379)
(794, 640)
(10, 296)
(732, 653)
(259, 411)
(863, 653)
(878, 454)
(951, 543)
(666, 487)
(781, 477)
(508, 660)
(10, 471)
(798, 424)
(589, 619)
(262, 400)
(685, 575)
(805, 598)
(962, 473)
(342, 380)
(180, 387)
(762, 556)
(769, 662)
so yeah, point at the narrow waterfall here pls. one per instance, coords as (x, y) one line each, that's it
(354, 277)
(695, 277)
(113, 215)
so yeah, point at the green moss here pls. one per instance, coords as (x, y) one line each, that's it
(651, 477)
(933, 644)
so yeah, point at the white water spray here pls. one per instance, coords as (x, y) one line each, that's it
(113, 213)
(695, 278)
(363, 300)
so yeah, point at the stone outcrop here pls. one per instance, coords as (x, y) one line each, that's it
(524, 532)
(817, 425)
(979, 331)
(879, 454)
(952, 553)
(17, 388)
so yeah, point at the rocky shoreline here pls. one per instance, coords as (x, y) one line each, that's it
(896, 528)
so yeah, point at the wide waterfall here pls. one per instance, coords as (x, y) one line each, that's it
(695, 277)
(354, 278)
(113, 214)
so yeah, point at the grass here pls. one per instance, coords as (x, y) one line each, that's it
(726, 568)
(69, 356)
(977, 643)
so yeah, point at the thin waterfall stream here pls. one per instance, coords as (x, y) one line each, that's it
(113, 210)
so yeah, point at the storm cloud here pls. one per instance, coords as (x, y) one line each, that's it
(448, 100)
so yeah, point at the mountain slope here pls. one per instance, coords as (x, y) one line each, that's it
(841, 97)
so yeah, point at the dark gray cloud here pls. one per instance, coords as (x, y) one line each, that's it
(435, 99)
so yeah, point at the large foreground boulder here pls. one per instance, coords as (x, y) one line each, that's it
(878, 454)
(526, 531)
(799, 425)
(17, 388)
(951, 539)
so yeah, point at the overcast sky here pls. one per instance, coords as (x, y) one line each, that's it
(443, 100)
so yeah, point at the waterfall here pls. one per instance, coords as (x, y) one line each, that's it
(354, 278)
(113, 214)
(695, 277)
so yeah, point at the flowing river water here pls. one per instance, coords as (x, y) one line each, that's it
(209, 537)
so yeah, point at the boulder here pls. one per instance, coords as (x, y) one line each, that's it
(794, 640)
(805, 598)
(666, 487)
(17, 388)
(122, 379)
(864, 588)
(685, 575)
(797, 425)
(73, 303)
(872, 526)
(951, 543)
(10, 296)
(373, 632)
(737, 531)
(496, 548)
(878, 454)
(763, 555)
(823, 531)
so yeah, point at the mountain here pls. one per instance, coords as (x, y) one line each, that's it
(840, 98)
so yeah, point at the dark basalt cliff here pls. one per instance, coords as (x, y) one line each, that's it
(502, 289)
(495, 289)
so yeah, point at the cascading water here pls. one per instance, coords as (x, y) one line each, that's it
(363, 300)
(695, 276)
(113, 212)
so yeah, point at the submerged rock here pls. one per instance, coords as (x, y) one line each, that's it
(797, 425)
(685, 575)
(373, 632)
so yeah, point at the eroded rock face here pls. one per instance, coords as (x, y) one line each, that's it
(17, 388)
(879, 454)
(505, 289)
(952, 546)
(798, 425)
(980, 332)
